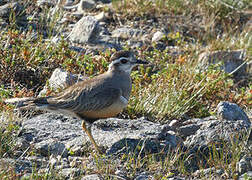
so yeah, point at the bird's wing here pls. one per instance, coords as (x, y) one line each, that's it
(80, 100)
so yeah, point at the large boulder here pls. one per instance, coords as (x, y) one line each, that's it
(86, 30)
(59, 80)
(213, 130)
(230, 59)
(232, 112)
(56, 134)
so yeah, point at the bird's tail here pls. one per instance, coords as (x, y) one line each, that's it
(23, 103)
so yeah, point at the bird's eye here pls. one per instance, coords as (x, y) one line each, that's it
(124, 61)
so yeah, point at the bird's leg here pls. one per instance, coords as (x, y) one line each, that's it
(88, 131)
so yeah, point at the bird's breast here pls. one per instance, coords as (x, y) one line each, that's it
(109, 111)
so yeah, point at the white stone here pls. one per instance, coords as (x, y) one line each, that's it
(157, 36)
(59, 80)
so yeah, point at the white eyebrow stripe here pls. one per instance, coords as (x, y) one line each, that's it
(117, 61)
(123, 58)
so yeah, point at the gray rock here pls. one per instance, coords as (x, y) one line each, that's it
(211, 136)
(86, 30)
(231, 60)
(174, 123)
(204, 171)
(48, 147)
(127, 33)
(219, 172)
(137, 136)
(59, 80)
(86, 5)
(137, 146)
(22, 144)
(48, 3)
(51, 133)
(68, 2)
(215, 130)
(244, 165)
(38, 162)
(70, 173)
(209, 172)
(232, 112)
(157, 36)
(92, 177)
(103, 43)
(246, 176)
(6, 9)
(144, 176)
(47, 129)
(3, 2)
(188, 130)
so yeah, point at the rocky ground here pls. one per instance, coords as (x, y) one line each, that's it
(53, 146)
(59, 143)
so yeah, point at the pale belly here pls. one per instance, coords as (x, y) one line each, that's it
(110, 111)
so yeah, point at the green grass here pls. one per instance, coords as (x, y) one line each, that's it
(162, 165)
(181, 88)
(218, 11)
(8, 133)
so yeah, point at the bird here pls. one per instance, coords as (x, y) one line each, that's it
(100, 97)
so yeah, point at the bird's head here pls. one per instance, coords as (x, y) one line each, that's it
(124, 61)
